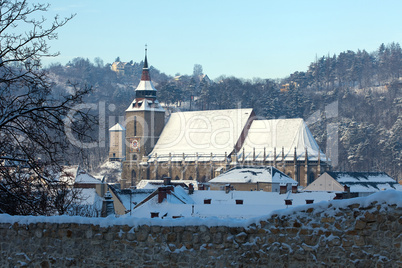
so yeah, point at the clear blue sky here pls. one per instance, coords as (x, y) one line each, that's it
(246, 39)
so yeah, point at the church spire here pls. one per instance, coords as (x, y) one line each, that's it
(145, 70)
(146, 61)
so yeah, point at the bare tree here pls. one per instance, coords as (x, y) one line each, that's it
(32, 139)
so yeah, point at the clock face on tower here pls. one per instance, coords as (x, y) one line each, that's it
(135, 145)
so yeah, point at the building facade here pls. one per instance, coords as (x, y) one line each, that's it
(200, 145)
(144, 122)
(117, 138)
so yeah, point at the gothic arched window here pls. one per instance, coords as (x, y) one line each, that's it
(311, 178)
(133, 177)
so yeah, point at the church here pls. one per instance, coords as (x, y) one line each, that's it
(200, 145)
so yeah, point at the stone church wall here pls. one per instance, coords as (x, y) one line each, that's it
(318, 236)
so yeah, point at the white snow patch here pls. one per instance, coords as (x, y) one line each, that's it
(390, 197)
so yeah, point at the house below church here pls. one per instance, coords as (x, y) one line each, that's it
(170, 202)
(354, 183)
(254, 178)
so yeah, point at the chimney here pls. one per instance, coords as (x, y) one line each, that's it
(163, 191)
(227, 188)
(161, 194)
(294, 189)
(107, 205)
(167, 181)
(190, 188)
(346, 188)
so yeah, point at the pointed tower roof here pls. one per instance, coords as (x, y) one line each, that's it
(145, 93)
(145, 83)
(117, 127)
(145, 70)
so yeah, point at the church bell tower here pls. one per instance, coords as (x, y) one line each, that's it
(145, 119)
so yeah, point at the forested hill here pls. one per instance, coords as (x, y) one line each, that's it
(357, 92)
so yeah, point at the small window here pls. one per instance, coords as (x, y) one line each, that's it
(207, 201)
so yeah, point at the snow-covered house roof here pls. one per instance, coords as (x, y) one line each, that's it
(154, 184)
(84, 178)
(76, 175)
(89, 197)
(204, 133)
(221, 204)
(126, 199)
(117, 127)
(280, 133)
(87, 203)
(365, 181)
(253, 175)
(358, 182)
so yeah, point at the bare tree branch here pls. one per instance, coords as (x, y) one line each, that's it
(32, 138)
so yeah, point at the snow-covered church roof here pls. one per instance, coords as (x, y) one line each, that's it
(280, 133)
(253, 175)
(202, 132)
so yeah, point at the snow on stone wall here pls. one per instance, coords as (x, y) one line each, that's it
(360, 232)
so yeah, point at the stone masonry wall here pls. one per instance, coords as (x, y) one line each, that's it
(314, 237)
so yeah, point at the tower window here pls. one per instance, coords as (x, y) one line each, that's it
(135, 126)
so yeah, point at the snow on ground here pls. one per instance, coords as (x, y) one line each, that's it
(382, 197)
